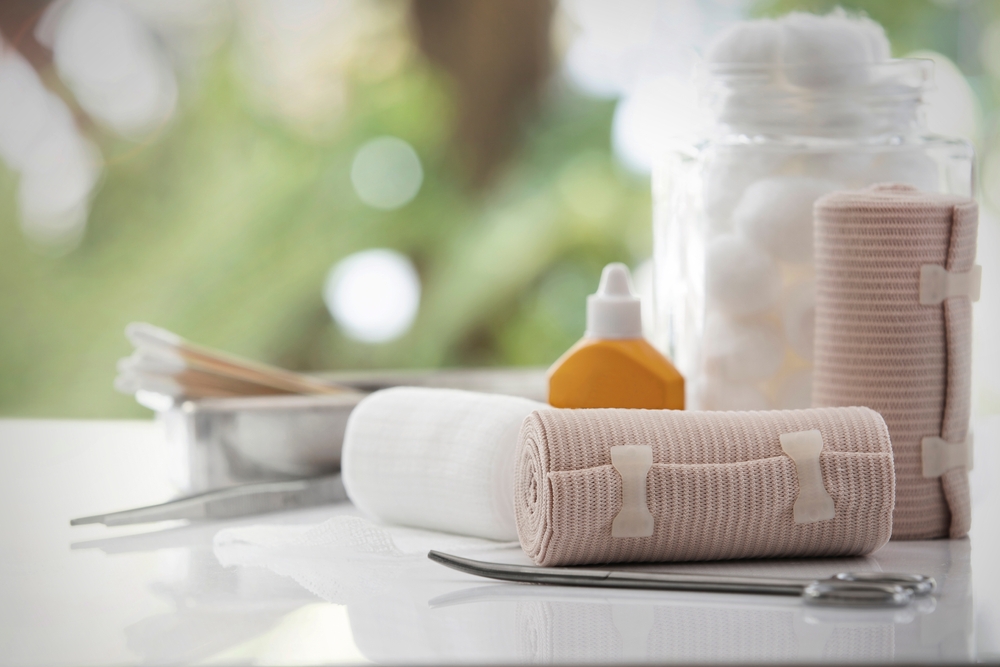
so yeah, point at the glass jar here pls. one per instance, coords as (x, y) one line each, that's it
(732, 215)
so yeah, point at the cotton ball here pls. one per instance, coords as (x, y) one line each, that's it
(799, 318)
(879, 49)
(746, 42)
(844, 167)
(795, 392)
(821, 51)
(777, 214)
(911, 167)
(741, 351)
(727, 175)
(721, 191)
(716, 394)
(741, 279)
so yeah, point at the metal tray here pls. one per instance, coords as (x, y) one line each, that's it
(219, 442)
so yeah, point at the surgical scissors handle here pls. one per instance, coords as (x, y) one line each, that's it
(846, 588)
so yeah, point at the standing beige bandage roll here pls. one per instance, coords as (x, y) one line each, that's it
(894, 284)
(612, 485)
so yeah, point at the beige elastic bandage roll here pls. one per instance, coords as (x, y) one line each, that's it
(606, 486)
(895, 281)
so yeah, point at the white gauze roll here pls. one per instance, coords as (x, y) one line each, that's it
(440, 459)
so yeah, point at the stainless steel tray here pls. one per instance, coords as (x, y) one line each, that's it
(219, 442)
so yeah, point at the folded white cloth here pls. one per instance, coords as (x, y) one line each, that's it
(440, 459)
(384, 578)
(346, 558)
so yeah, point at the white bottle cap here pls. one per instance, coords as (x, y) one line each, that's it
(615, 311)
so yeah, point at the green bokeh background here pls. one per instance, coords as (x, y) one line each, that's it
(222, 227)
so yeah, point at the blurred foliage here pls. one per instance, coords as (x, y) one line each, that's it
(911, 24)
(224, 226)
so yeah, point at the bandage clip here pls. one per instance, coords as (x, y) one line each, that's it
(937, 284)
(938, 456)
(633, 463)
(813, 502)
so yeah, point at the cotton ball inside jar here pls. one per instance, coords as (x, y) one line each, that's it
(717, 394)
(798, 315)
(831, 50)
(741, 279)
(844, 167)
(795, 392)
(755, 42)
(727, 174)
(873, 34)
(741, 351)
(777, 214)
(721, 191)
(912, 167)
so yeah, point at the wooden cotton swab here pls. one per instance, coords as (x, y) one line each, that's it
(130, 383)
(170, 347)
(144, 364)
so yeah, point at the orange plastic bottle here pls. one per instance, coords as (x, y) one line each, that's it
(613, 366)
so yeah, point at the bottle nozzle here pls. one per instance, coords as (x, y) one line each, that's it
(616, 281)
(615, 311)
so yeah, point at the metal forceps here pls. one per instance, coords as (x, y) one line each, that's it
(232, 502)
(861, 589)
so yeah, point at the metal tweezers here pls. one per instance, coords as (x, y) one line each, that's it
(866, 589)
(235, 501)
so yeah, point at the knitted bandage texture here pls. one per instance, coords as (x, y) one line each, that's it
(877, 346)
(720, 485)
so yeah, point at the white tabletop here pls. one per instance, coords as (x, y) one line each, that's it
(159, 594)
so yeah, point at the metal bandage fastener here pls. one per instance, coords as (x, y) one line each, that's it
(937, 284)
(813, 502)
(633, 463)
(939, 456)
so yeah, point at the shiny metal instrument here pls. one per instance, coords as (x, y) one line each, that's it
(232, 502)
(860, 589)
